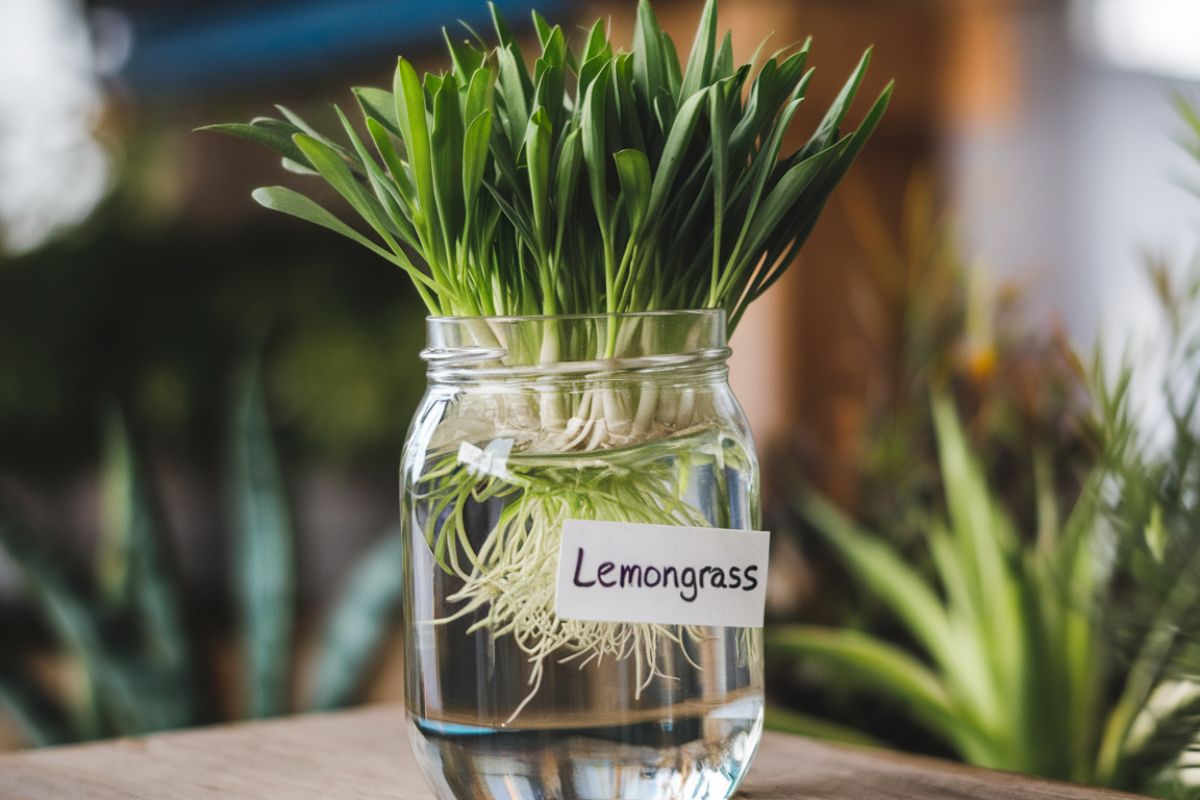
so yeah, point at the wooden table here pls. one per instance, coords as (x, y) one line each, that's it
(363, 754)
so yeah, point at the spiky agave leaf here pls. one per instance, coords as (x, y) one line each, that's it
(1007, 672)
(264, 549)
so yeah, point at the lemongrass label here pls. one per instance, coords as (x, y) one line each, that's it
(662, 574)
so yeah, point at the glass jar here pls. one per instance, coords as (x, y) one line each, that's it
(527, 422)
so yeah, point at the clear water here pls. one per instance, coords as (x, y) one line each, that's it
(586, 733)
(689, 756)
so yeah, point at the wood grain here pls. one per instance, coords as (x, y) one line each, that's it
(365, 754)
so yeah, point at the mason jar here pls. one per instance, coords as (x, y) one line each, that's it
(528, 423)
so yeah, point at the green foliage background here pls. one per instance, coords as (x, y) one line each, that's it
(158, 316)
(1062, 642)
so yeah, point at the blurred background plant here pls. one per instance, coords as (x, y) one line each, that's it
(127, 662)
(1020, 636)
(157, 311)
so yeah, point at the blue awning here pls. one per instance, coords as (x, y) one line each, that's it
(177, 51)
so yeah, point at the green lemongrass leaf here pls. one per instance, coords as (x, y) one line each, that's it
(674, 74)
(479, 94)
(568, 56)
(464, 56)
(303, 127)
(649, 67)
(764, 165)
(380, 105)
(787, 721)
(812, 203)
(633, 171)
(391, 207)
(597, 46)
(414, 132)
(674, 152)
(335, 172)
(402, 180)
(794, 66)
(719, 130)
(510, 88)
(628, 120)
(723, 63)
(698, 73)
(509, 42)
(446, 149)
(551, 78)
(537, 164)
(738, 81)
(362, 617)
(829, 129)
(593, 126)
(264, 551)
(793, 76)
(752, 64)
(774, 86)
(542, 27)
(763, 219)
(475, 149)
(555, 52)
(760, 106)
(271, 133)
(519, 220)
(889, 576)
(308, 130)
(877, 667)
(478, 40)
(432, 83)
(566, 177)
(504, 155)
(290, 202)
(866, 129)
(765, 162)
(296, 168)
(774, 269)
(592, 69)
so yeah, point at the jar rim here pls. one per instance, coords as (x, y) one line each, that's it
(516, 318)
(574, 344)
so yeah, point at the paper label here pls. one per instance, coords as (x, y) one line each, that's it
(628, 572)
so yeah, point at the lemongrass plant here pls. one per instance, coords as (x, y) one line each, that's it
(601, 181)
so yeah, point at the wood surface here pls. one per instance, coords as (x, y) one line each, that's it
(365, 754)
